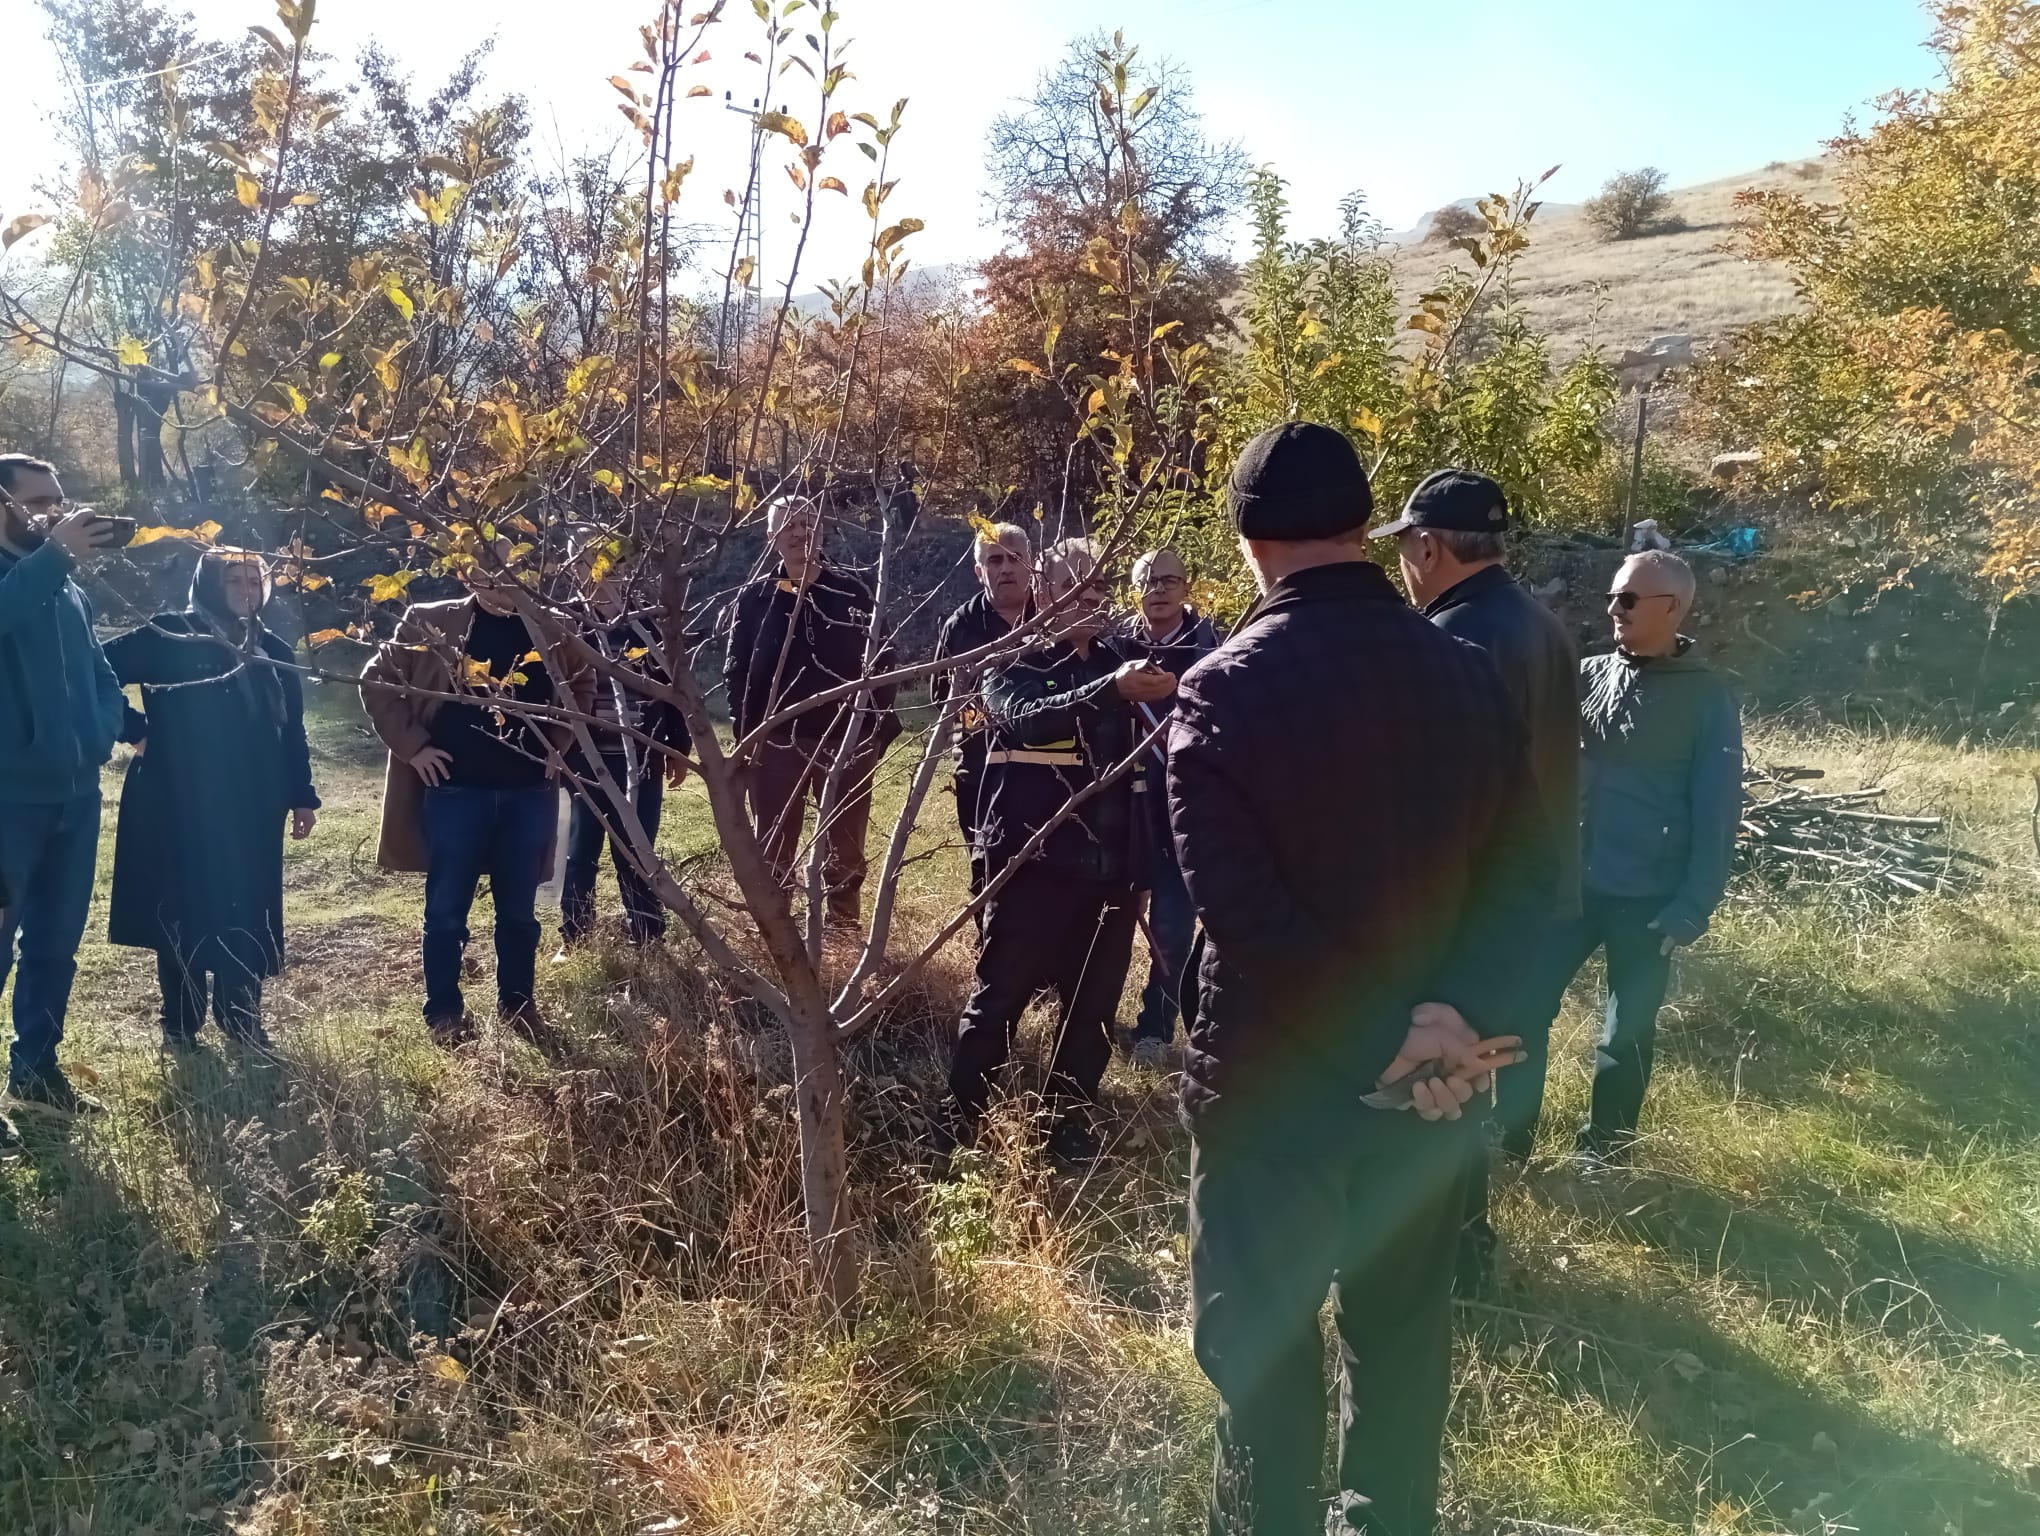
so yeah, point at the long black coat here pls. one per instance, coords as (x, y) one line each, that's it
(199, 852)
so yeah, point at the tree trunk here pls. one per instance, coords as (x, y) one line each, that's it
(124, 436)
(824, 1156)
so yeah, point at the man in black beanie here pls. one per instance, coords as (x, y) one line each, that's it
(1347, 787)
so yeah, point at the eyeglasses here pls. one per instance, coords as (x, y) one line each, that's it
(1627, 601)
(1165, 584)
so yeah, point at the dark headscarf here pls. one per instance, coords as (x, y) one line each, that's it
(253, 675)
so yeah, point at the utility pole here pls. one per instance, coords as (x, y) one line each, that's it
(750, 243)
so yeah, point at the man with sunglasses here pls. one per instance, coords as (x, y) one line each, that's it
(1062, 714)
(1661, 799)
(1175, 637)
(60, 713)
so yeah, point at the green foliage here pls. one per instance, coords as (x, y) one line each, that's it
(1630, 205)
(1465, 379)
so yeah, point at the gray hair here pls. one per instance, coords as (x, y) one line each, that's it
(1470, 546)
(1672, 571)
(1065, 553)
(1006, 534)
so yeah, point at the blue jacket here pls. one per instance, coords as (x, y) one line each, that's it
(1660, 783)
(60, 704)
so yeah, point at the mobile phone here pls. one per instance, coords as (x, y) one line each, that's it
(123, 530)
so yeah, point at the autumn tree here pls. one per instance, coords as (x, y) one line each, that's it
(1103, 178)
(1908, 386)
(1630, 205)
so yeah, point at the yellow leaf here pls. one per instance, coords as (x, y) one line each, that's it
(1024, 366)
(779, 122)
(1366, 421)
(321, 636)
(388, 586)
(330, 360)
(699, 90)
(248, 190)
(132, 353)
(831, 184)
(402, 300)
(446, 1368)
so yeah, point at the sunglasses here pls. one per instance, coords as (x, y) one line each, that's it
(1627, 601)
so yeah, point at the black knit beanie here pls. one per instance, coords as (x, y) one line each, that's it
(1299, 481)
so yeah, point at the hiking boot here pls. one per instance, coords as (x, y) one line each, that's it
(449, 1030)
(526, 1021)
(50, 1089)
(177, 1043)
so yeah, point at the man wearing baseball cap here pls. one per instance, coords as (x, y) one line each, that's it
(1450, 539)
(1350, 794)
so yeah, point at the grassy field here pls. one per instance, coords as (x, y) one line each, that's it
(1582, 290)
(372, 1289)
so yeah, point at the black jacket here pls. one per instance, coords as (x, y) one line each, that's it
(199, 850)
(1541, 670)
(1055, 724)
(973, 626)
(1350, 794)
(628, 643)
(1194, 640)
(831, 622)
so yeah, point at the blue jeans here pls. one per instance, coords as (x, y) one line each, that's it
(501, 833)
(1172, 925)
(1638, 978)
(588, 832)
(49, 855)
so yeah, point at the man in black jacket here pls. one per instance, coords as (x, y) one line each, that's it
(1061, 716)
(1175, 637)
(796, 632)
(1352, 805)
(1450, 543)
(1005, 570)
(634, 726)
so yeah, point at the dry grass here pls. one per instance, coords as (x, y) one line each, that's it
(1582, 290)
(374, 1291)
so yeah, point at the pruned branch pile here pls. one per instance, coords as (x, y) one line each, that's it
(1844, 838)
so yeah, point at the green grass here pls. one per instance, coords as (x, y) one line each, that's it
(373, 1291)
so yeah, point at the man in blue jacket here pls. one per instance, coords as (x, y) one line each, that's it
(1661, 800)
(60, 713)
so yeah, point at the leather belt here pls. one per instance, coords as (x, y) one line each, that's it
(1037, 759)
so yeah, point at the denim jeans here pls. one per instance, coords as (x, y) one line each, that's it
(501, 833)
(1172, 926)
(1638, 978)
(588, 832)
(49, 856)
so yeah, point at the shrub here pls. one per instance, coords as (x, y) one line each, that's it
(1452, 222)
(1630, 205)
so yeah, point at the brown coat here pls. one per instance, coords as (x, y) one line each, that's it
(416, 658)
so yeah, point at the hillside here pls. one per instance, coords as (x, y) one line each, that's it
(1581, 289)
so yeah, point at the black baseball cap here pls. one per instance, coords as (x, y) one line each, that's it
(1453, 501)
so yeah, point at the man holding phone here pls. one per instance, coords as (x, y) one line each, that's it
(60, 713)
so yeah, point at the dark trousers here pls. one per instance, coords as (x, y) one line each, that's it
(967, 787)
(1364, 1204)
(224, 972)
(1638, 978)
(1172, 927)
(501, 833)
(48, 857)
(588, 832)
(1045, 930)
(786, 777)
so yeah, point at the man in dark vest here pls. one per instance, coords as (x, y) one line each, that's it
(1450, 541)
(1354, 814)
(1005, 571)
(1062, 714)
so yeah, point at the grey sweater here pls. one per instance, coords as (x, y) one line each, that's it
(1660, 783)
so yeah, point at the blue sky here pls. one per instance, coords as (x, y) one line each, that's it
(1418, 104)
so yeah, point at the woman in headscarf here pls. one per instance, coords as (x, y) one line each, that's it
(198, 857)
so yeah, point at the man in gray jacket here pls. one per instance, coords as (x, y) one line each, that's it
(1661, 800)
(1450, 541)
